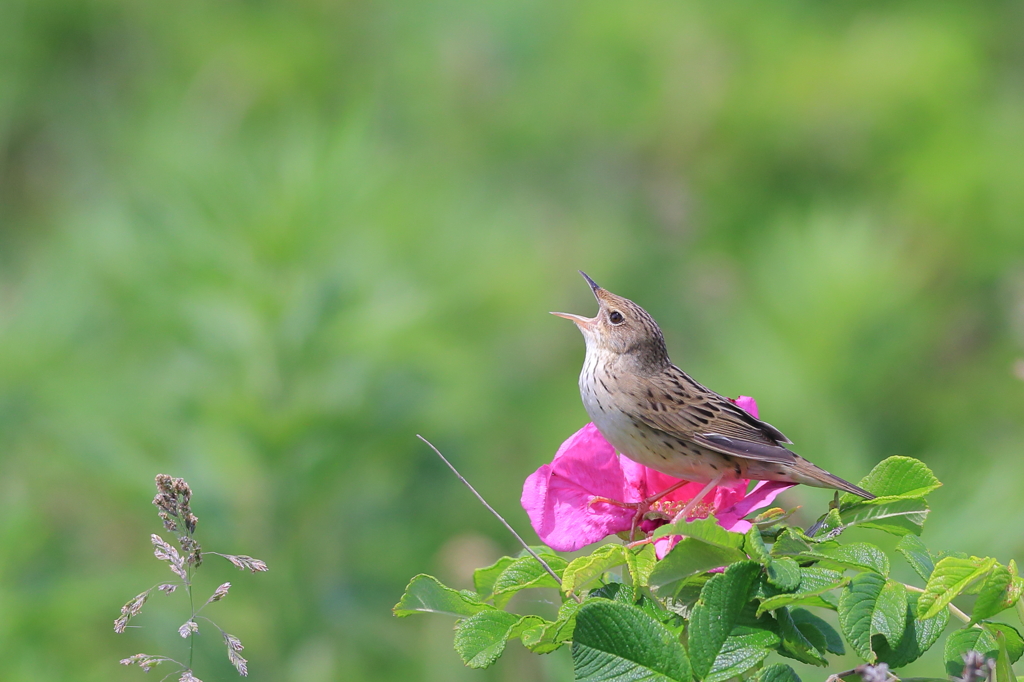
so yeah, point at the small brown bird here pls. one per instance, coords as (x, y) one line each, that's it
(654, 413)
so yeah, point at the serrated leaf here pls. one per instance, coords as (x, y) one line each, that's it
(951, 577)
(524, 573)
(807, 622)
(917, 555)
(685, 594)
(815, 584)
(481, 638)
(859, 555)
(689, 557)
(426, 594)
(816, 577)
(784, 573)
(616, 642)
(777, 672)
(995, 595)
(983, 640)
(705, 530)
(483, 578)
(1014, 641)
(796, 643)
(754, 546)
(789, 544)
(918, 636)
(896, 515)
(716, 612)
(857, 609)
(641, 562)
(829, 526)
(896, 476)
(744, 649)
(547, 637)
(890, 615)
(1004, 668)
(584, 570)
(635, 596)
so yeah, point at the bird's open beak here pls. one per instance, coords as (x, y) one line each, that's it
(581, 322)
(584, 323)
(593, 285)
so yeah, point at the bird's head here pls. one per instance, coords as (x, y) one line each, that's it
(621, 327)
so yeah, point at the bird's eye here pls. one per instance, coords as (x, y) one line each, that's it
(615, 317)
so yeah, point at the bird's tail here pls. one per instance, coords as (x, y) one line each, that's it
(820, 478)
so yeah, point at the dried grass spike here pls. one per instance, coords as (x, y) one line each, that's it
(219, 593)
(241, 665)
(242, 562)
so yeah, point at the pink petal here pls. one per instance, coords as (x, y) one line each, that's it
(663, 546)
(748, 404)
(761, 496)
(557, 497)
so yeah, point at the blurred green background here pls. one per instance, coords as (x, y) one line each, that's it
(261, 245)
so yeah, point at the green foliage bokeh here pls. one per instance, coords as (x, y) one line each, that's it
(262, 245)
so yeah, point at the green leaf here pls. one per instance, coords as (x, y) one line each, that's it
(997, 594)
(784, 573)
(859, 555)
(1014, 641)
(481, 638)
(896, 476)
(616, 642)
(981, 639)
(1004, 668)
(716, 612)
(586, 569)
(815, 584)
(962, 641)
(805, 647)
(744, 649)
(857, 612)
(890, 616)
(829, 526)
(426, 594)
(917, 555)
(918, 636)
(816, 577)
(546, 637)
(705, 530)
(689, 557)
(777, 672)
(789, 544)
(641, 562)
(951, 577)
(809, 623)
(525, 572)
(685, 594)
(483, 578)
(754, 546)
(896, 515)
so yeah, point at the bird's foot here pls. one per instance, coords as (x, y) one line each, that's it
(644, 507)
(639, 510)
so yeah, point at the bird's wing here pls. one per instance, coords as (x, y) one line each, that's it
(689, 411)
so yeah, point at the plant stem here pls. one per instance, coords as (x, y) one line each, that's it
(499, 516)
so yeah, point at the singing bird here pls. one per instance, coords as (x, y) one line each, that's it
(654, 413)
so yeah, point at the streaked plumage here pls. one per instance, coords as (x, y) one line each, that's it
(655, 414)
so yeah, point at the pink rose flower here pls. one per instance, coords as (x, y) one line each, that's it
(563, 501)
